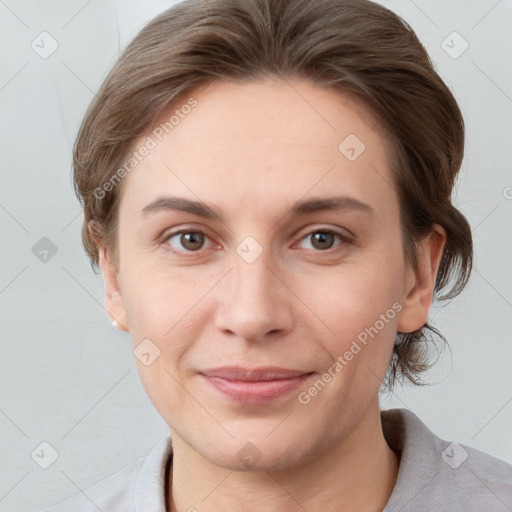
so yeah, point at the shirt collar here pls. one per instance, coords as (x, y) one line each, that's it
(150, 488)
(415, 446)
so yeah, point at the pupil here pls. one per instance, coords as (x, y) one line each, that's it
(322, 240)
(192, 241)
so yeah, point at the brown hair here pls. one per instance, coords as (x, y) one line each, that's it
(355, 46)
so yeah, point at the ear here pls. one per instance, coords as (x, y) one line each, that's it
(113, 298)
(420, 281)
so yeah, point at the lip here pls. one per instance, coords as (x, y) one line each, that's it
(254, 385)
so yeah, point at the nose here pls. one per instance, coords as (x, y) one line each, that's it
(255, 303)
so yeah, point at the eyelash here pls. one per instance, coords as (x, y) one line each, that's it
(344, 239)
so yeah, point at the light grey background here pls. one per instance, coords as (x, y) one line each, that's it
(69, 379)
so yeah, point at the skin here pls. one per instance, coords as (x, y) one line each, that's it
(252, 151)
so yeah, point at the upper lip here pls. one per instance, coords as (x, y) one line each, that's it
(267, 373)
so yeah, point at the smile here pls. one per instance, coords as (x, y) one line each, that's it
(256, 386)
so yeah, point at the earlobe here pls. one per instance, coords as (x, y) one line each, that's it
(113, 299)
(420, 282)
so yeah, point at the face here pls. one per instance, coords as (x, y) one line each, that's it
(262, 231)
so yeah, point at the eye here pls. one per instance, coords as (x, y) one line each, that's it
(322, 239)
(188, 241)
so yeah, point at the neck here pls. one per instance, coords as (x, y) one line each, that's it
(357, 474)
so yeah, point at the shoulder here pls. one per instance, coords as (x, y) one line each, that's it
(139, 486)
(435, 474)
(113, 494)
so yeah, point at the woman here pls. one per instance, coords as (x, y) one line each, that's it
(267, 190)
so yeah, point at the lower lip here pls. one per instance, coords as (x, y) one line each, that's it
(256, 392)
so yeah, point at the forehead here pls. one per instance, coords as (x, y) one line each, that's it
(262, 141)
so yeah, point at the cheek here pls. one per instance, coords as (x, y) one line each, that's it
(153, 296)
(164, 306)
(353, 298)
(166, 321)
(358, 304)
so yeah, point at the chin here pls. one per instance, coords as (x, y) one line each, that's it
(255, 453)
(247, 458)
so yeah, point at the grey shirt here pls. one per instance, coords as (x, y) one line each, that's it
(434, 476)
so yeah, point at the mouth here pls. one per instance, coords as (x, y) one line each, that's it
(254, 385)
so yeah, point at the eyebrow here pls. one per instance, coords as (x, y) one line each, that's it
(330, 203)
(174, 203)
